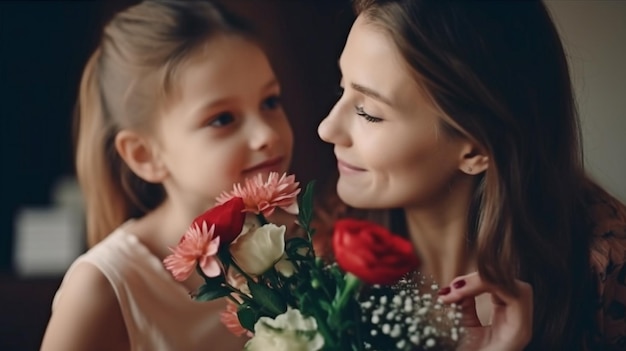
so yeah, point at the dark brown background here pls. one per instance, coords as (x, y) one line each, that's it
(43, 47)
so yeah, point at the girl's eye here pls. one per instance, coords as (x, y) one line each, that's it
(366, 116)
(221, 120)
(271, 103)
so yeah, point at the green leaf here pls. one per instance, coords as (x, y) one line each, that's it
(337, 273)
(209, 291)
(306, 206)
(294, 244)
(305, 301)
(247, 317)
(326, 305)
(267, 298)
(224, 256)
(214, 282)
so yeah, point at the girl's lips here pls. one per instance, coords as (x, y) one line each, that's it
(270, 165)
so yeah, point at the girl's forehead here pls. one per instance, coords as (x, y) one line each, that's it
(227, 71)
(215, 59)
(219, 45)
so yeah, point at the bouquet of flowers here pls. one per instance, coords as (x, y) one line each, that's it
(284, 297)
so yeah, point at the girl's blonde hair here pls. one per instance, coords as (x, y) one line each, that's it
(126, 80)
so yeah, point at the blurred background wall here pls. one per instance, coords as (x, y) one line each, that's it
(594, 34)
(44, 45)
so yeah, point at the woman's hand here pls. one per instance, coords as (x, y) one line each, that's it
(511, 318)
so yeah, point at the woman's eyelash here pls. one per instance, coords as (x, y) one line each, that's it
(366, 116)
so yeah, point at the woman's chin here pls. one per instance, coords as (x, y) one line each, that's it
(357, 199)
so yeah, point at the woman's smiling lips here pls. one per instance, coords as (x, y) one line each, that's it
(347, 168)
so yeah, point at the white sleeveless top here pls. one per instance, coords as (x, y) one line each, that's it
(157, 310)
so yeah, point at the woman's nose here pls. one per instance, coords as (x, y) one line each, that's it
(331, 129)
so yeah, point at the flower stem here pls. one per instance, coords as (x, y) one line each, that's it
(329, 336)
(318, 274)
(352, 283)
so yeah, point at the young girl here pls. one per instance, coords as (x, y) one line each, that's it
(176, 104)
(461, 116)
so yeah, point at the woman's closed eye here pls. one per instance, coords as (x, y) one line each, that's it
(271, 103)
(361, 112)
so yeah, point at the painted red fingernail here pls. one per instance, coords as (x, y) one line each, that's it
(459, 284)
(444, 291)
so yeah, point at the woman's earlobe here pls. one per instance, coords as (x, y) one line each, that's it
(474, 160)
(137, 152)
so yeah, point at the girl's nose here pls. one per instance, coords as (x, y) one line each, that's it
(264, 135)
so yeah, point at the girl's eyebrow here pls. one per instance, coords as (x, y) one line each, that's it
(225, 100)
(211, 104)
(270, 84)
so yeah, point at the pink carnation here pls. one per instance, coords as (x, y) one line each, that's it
(230, 319)
(197, 246)
(263, 197)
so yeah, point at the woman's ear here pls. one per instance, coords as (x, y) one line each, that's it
(474, 159)
(140, 156)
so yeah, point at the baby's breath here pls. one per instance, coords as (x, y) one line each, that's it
(408, 316)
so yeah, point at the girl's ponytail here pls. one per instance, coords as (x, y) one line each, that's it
(95, 149)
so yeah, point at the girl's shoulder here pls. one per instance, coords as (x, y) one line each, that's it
(121, 254)
(93, 267)
(85, 313)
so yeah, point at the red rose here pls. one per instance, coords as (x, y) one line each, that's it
(228, 219)
(371, 252)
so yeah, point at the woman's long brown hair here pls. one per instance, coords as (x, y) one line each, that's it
(498, 71)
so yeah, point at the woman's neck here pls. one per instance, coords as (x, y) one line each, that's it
(439, 233)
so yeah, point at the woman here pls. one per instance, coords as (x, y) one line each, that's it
(460, 116)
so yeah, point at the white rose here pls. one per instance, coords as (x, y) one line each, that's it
(249, 225)
(257, 251)
(290, 331)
